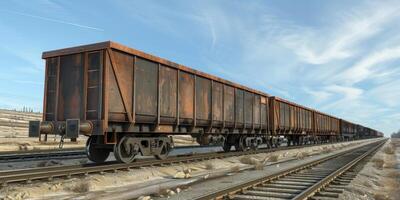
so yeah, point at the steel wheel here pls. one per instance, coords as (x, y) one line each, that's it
(125, 150)
(239, 145)
(95, 154)
(254, 146)
(164, 152)
(227, 146)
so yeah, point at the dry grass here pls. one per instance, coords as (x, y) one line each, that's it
(301, 155)
(378, 163)
(209, 166)
(380, 196)
(326, 150)
(390, 164)
(23, 146)
(394, 174)
(273, 158)
(235, 168)
(252, 161)
(258, 166)
(247, 160)
(81, 187)
(367, 184)
(161, 192)
(390, 149)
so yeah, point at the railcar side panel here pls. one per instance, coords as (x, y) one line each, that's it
(168, 92)
(146, 87)
(186, 97)
(217, 104)
(229, 106)
(203, 101)
(239, 110)
(94, 85)
(288, 117)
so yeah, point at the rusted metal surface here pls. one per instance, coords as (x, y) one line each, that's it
(348, 129)
(325, 124)
(120, 89)
(120, 47)
(289, 117)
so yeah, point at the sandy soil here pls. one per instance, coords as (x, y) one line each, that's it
(27, 144)
(15, 124)
(14, 133)
(90, 186)
(380, 177)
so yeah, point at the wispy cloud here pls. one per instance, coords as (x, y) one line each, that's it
(54, 20)
(319, 96)
(323, 45)
(328, 62)
(367, 66)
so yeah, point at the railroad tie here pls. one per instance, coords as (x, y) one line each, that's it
(280, 190)
(249, 197)
(269, 194)
(270, 185)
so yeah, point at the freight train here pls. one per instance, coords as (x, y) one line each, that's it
(129, 102)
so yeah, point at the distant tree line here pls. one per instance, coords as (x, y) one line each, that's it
(25, 109)
(396, 135)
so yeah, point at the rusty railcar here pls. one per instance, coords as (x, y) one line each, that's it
(290, 119)
(326, 127)
(348, 130)
(128, 101)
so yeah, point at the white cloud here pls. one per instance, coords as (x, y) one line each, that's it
(319, 96)
(388, 94)
(367, 66)
(339, 41)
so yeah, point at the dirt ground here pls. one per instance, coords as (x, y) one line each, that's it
(380, 177)
(15, 124)
(90, 186)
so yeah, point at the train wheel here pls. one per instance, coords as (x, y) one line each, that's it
(126, 150)
(227, 146)
(95, 154)
(165, 149)
(254, 147)
(239, 145)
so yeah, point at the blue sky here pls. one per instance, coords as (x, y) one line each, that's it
(341, 57)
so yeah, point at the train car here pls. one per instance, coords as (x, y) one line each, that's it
(128, 102)
(326, 127)
(371, 133)
(379, 134)
(348, 130)
(291, 120)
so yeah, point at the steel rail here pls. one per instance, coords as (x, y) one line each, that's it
(73, 153)
(18, 156)
(327, 180)
(231, 191)
(28, 175)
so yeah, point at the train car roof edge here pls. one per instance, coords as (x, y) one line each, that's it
(123, 48)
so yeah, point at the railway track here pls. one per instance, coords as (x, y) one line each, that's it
(20, 156)
(73, 153)
(321, 179)
(67, 171)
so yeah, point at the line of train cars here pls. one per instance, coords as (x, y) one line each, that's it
(130, 102)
